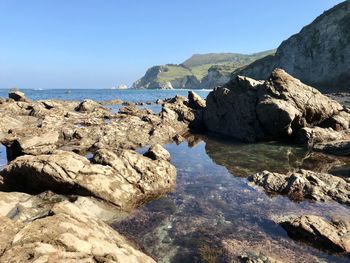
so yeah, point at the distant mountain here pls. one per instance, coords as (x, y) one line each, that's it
(198, 72)
(318, 55)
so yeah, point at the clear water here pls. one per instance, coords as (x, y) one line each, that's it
(212, 203)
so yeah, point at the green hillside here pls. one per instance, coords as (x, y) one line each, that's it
(194, 72)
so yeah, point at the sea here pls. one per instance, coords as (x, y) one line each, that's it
(213, 208)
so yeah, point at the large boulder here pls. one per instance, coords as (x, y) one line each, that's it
(305, 184)
(275, 109)
(332, 235)
(125, 179)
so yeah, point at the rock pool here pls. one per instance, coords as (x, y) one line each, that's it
(214, 214)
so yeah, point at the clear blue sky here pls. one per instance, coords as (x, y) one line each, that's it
(101, 43)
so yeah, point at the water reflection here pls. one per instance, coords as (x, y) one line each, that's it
(211, 211)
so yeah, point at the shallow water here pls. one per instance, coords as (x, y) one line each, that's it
(212, 203)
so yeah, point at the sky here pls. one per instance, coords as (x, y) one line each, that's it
(49, 44)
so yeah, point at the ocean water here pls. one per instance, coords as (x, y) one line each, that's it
(104, 94)
(213, 204)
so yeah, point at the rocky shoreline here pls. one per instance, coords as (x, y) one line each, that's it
(74, 166)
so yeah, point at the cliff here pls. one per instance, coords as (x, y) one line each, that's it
(318, 55)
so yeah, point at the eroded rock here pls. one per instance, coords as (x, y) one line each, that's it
(305, 184)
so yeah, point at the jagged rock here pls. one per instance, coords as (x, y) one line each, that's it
(334, 147)
(65, 238)
(125, 180)
(332, 235)
(305, 184)
(275, 109)
(195, 101)
(89, 106)
(157, 152)
(18, 96)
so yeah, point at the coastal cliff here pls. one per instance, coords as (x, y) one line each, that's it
(318, 55)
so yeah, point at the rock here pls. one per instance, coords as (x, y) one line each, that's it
(25, 208)
(275, 109)
(341, 148)
(332, 235)
(305, 184)
(319, 54)
(42, 143)
(113, 102)
(65, 238)
(195, 101)
(89, 106)
(125, 180)
(18, 96)
(159, 101)
(231, 110)
(157, 152)
(177, 109)
(315, 135)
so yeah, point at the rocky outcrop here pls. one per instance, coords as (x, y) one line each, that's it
(37, 128)
(305, 184)
(319, 55)
(276, 109)
(126, 179)
(331, 235)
